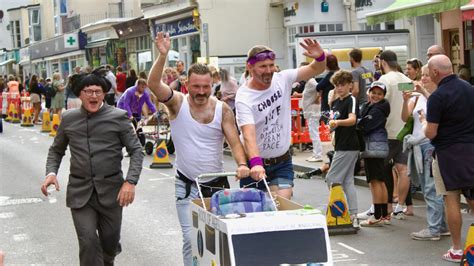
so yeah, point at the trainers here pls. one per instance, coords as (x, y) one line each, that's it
(314, 159)
(387, 220)
(425, 234)
(355, 222)
(445, 233)
(398, 215)
(372, 222)
(365, 215)
(303, 176)
(453, 255)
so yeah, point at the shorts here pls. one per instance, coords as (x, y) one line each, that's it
(395, 152)
(280, 174)
(35, 98)
(374, 169)
(439, 183)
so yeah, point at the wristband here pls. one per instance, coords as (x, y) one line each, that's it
(255, 161)
(321, 58)
(242, 164)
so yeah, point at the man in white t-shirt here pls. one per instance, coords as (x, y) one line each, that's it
(391, 78)
(264, 115)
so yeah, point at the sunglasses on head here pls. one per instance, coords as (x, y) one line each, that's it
(264, 55)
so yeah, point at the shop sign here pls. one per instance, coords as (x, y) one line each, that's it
(57, 46)
(176, 28)
(364, 7)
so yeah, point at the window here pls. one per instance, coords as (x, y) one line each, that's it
(331, 27)
(35, 25)
(306, 29)
(390, 25)
(143, 43)
(373, 27)
(291, 35)
(15, 33)
(57, 18)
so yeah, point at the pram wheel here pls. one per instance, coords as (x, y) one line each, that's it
(149, 147)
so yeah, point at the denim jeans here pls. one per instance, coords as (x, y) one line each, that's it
(183, 207)
(434, 204)
(280, 174)
(313, 126)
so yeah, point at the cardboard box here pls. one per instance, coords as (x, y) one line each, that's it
(291, 235)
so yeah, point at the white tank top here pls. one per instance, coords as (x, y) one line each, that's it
(199, 147)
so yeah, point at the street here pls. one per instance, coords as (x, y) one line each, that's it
(34, 231)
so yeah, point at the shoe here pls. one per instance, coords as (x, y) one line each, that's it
(445, 233)
(365, 215)
(314, 159)
(372, 222)
(387, 220)
(453, 255)
(355, 222)
(425, 234)
(303, 176)
(408, 213)
(398, 215)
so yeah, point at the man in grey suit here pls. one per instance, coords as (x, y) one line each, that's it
(96, 190)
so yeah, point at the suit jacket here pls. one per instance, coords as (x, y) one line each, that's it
(95, 141)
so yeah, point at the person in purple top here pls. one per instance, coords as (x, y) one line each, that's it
(132, 101)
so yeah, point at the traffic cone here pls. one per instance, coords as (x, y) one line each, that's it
(10, 113)
(468, 256)
(27, 119)
(54, 125)
(15, 115)
(160, 157)
(46, 126)
(337, 215)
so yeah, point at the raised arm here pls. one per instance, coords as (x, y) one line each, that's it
(313, 50)
(162, 92)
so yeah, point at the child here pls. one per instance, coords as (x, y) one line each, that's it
(373, 116)
(346, 146)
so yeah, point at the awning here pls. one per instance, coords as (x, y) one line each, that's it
(7, 62)
(96, 44)
(468, 11)
(412, 8)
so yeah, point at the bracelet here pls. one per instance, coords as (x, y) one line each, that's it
(243, 164)
(256, 161)
(321, 58)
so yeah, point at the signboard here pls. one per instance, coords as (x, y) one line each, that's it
(57, 45)
(177, 27)
(71, 41)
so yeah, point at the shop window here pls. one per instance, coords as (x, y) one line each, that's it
(291, 35)
(143, 43)
(331, 27)
(306, 29)
(35, 25)
(131, 45)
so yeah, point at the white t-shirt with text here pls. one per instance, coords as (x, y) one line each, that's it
(270, 111)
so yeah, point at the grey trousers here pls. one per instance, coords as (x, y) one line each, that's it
(98, 232)
(342, 172)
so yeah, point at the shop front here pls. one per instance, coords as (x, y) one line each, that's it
(8, 63)
(60, 54)
(138, 42)
(24, 63)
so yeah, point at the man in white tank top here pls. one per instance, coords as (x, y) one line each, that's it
(264, 115)
(199, 124)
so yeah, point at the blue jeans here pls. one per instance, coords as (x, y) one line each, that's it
(434, 204)
(280, 174)
(183, 207)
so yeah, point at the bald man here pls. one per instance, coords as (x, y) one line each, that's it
(450, 127)
(434, 50)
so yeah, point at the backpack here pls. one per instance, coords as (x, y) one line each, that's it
(49, 90)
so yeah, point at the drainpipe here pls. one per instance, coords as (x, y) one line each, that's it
(347, 5)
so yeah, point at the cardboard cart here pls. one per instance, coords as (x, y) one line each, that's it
(291, 235)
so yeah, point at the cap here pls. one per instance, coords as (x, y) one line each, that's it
(380, 85)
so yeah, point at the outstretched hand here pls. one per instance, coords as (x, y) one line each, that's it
(312, 47)
(162, 42)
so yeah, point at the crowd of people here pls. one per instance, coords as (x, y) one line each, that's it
(405, 129)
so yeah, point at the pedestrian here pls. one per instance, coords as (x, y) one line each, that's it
(59, 99)
(325, 86)
(345, 110)
(361, 76)
(131, 79)
(228, 88)
(421, 170)
(35, 96)
(450, 127)
(199, 124)
(110, 96)
(48, 93)
(96, 191)
(121, 78)
(132, 101)
(264, 115)
(311, 112)
(373, 116)
(72, 101)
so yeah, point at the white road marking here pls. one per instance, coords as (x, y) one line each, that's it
(144, 167)
(20, 201)
(164, 174)
(350, 248)
(160, 179)
(344, 260)
(6, 215)
(20, 237)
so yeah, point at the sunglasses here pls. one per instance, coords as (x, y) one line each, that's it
(264, 55)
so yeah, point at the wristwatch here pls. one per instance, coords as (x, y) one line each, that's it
(131, 181)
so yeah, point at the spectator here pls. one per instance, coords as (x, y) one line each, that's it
(325, 86)
(434, 50)
(13, 86)
(180, 68)
(110, 96)
(413, 69)
(464, 73)
(121, 81)
(35, 96)
(59, 99)
(311, 112)
(228, 88)
(376, 63)
(131, 79)
(361, 76)
(72, 100)
(450, 127)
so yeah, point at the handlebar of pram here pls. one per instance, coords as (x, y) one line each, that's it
(226, 174)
